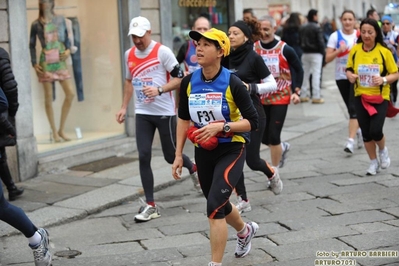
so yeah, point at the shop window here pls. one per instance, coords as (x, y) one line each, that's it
(185, 12)
(91, 72)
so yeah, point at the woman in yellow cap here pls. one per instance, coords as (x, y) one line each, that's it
(218, 104)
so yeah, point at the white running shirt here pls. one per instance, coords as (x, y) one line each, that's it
(159, 105)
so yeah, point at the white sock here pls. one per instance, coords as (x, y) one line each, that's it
(243, 231)
(275, 169)
(215, 263)
(374, 161)
(35, 239)
(351, 140)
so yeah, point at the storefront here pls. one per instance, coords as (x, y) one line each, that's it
(185, 12)
(76, 103)
(71, 120)
(67, 107)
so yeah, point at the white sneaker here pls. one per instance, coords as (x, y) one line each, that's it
(349, 147)
(242, 205)
(385, 161)
(359, 139)
(244, 244)
(374, 168)
(147, 213)
(41, 253)
(276, 185)
(196, 183)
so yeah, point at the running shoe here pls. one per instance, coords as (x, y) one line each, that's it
(244, 244)
(385, 161)
(318, 101)
(286, 147)
(242, 205)
(41, 253)
(374, 168)
(359, 139)
(147, 213)
(276, 185)
(349, 147)
(194, 178)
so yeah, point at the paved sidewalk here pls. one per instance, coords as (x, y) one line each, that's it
(56, 198)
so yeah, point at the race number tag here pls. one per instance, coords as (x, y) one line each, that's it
(366, 74)
(341, 65)
(206, 108)
(191, 69)
(138, 85)
(272, 62)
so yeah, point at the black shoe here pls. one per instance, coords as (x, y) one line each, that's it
(14, 192)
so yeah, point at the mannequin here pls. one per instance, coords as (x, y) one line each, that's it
(52, 33)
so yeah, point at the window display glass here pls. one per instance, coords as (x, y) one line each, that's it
(184, 13)
(76, 71)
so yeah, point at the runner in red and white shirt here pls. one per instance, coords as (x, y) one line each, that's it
(287, 70)
(149, 66)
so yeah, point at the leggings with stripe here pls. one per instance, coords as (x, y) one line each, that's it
(218, 173)
(145, 131)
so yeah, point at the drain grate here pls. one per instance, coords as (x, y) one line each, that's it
(103, 164)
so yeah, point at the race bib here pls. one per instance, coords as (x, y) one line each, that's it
(191, 69)
(341, 65)
(366, 73)
(206, 108)
(138, 85)
(272, 62)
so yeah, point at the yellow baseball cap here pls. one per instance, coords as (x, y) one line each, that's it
(215, 35)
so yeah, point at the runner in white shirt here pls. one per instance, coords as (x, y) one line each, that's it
(149, 66)
(338, 48)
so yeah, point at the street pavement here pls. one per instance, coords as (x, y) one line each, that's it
(328, 208)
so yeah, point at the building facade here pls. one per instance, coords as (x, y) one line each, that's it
(328, 9)
(97, 31)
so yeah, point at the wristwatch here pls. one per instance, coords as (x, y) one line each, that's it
(384, 81)
(226, 127)
(160, 91)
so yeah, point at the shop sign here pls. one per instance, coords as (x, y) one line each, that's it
(197, 3)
